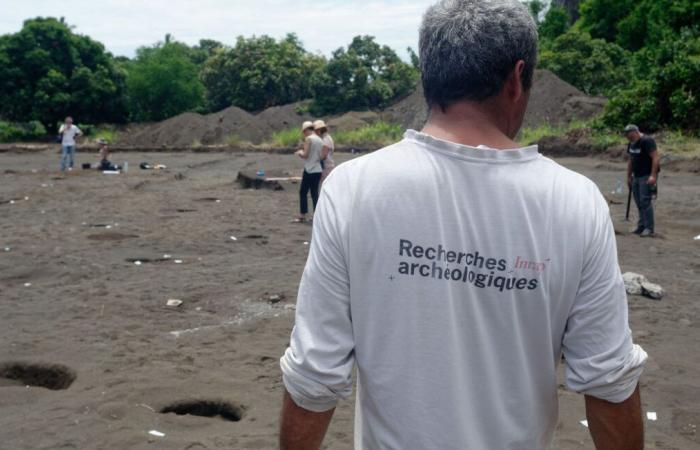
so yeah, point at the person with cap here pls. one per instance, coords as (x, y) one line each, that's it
(455, 268)
(68, 132)
(327, 162)
(311, 178)
(642, 170)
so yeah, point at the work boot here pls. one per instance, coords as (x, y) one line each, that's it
(638, 230)
(647, 233)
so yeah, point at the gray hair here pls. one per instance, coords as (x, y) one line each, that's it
(469, 47)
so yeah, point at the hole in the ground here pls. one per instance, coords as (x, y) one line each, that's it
(147, 260)
(255, 236)
(185, 210)
(111, 236)
(49, 376)
(206, 408)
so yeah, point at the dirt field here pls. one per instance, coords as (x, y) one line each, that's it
(71, 293)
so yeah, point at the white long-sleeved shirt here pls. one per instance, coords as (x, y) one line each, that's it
(454, 278)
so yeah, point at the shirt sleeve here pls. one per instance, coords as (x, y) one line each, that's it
(317, 365)
(649, 145)
(601, 359)
(60, 129)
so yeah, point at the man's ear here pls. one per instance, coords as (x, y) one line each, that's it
(514, 84)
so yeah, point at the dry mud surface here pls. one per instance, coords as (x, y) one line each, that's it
(89, 328)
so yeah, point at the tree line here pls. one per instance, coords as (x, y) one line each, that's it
(644, 55)
(48, 71)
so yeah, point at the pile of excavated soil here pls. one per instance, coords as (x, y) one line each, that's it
(552, 101)
(232, 124)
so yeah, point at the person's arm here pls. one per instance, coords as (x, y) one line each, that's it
(629, 172)
(324, 152)
(616, 426)
(317, 365)
(301, 429)
(654, 167)
(602, 361)
(304, 153)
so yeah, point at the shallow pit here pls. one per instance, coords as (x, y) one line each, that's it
(206, 408)
(50, 376)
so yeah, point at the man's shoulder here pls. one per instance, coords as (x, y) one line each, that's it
(648, 142)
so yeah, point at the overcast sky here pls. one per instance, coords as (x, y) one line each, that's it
(323, 25)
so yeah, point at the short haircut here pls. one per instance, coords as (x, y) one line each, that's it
(469, 47)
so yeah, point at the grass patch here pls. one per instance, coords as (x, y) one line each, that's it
(108, 134)
(529, 136)
(290, 137)
(234, 140)
(15, 131)
(379, 134)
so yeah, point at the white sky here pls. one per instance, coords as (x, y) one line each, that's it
(323, 25)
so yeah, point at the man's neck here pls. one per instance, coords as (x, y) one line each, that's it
(467, 123)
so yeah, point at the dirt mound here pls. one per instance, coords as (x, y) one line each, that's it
(232, 124)
(353, 120)
(552, 101)
(556, 102)
(411, 112)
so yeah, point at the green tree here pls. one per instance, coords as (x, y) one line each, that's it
(555, 23)
(48, 72)
(260, 72)
(592, 65)
(163, 81)
(364, 76)
(666, 94)
(601, 17)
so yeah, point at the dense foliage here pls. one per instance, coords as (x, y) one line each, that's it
(260, 72)
(163, 81)
(48, 71)
(644, 55)
(365, 75)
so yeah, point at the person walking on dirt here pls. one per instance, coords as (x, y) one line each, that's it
(311, 178)
(642, 170)
(455, 267)
(328, 148)
(68, 133)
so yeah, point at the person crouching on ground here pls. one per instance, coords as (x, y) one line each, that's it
(68, 133)
(311, 179)
(642, 170)
(105, 163)
(328, 148)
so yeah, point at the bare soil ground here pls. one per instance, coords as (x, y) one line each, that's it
(74, 303)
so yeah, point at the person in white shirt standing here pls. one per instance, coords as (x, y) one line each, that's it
(455, 268)
(68, 133)
(327, 162)
(311, 178)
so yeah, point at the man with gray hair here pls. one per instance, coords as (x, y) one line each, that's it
(455, 268)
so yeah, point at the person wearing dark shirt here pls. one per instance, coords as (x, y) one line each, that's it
(642, 170)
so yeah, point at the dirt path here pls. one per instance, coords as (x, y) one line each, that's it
(72, 294)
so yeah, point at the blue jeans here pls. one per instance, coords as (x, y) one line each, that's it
(642, 197)
(67, 152)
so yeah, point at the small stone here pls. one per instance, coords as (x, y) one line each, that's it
(173, 302)
(633, 282)
(138, 263)
(178, 261)
(653, 291)
(276, 298)
(27, 284)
